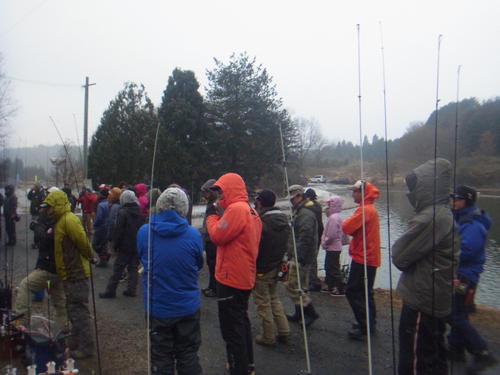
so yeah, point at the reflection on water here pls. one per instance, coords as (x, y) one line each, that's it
(400, 213)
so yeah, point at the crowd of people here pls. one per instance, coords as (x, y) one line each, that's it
(245, 247)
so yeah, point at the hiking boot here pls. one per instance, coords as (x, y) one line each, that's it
(204, 290)
(481, 362)
(310, 315)
(326, 290)
(260, 340)
(210, 293)
(359, 333)
(284, 338)
(296, 317)
(106, 295)
(337, 292)
(126, 293)
(78, 354)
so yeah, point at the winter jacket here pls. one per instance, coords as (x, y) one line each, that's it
(428, 252)
(36, 197)
(44, 237)
(332, 235)
(317, 208)
(72, 248)
(305, 229)
(353, 226)
(10, 202)
(473, 225)
(128, 222)
(87, 201)
(274, 239)
(236, 234)
(171, 260)
(101, 219)
(140, 192)
(204, 229)
(113, 214)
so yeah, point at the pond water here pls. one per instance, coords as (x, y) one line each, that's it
(400, 213)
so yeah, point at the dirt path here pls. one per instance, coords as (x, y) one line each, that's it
(123, 337)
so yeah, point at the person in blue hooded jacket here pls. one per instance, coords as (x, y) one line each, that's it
(473, 225)
(171, 252)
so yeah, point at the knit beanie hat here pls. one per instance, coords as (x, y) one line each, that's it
(266, 197)
(173, 199)
(114, 195)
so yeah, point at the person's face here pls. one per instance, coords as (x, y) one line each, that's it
(457, 204)
(295, 200)
(207, 194)
(356, 195)
(49, 210)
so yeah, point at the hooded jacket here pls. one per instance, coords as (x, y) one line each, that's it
(10, 202)
(428, 252)
(332, 235)
(236, 234)
(171, 264)
(128, 223)
(36, 197)
(305, 229)
(473, 225)
(72, 249)
(353, 226)
(274, 239)
(87, 200)
(140, 192)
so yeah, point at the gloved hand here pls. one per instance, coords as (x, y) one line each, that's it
(211, 210)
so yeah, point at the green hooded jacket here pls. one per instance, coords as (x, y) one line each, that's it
(72, 249)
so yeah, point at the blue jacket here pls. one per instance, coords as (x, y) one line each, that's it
(473, 225)
(102, 215)
(171, 264)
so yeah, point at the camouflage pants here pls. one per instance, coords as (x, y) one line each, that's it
(77, 303)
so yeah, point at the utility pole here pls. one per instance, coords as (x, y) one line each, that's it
(86, 127)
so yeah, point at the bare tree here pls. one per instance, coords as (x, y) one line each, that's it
(310, 139)
(7, 107)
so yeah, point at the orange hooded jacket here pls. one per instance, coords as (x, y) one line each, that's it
(353, 226)
(236, 234)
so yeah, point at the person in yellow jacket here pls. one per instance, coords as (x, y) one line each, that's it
(73, 252)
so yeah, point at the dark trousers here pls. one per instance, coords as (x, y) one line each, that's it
(129, 260)
(421, 344)
(100, 242)
(334, 277)
(211, 255)
(10, 228)
(355, 293)
(174, 345)
(463, 334)
(235, 328)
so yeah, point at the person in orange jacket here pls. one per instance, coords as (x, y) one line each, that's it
(237, 236)
(367, 232)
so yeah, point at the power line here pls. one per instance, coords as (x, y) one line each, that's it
(22, 19)
(44, 83)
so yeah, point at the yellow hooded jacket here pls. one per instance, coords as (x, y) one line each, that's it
(72, 249)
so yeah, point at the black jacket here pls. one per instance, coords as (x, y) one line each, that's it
(128, 222)
(10, 202)
(274, 240)
(44, 236)
(36, 198)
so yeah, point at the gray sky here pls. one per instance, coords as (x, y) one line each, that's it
(310, 48)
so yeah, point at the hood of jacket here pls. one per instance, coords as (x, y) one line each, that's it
(168, 223)
(140, 190)
(334, 204)
(59, 200)
(153, 196)
(371, 193)
(424, 194)
(271, 216)
(469, 214)
(128, 196)
(234, 189)
(9, 190)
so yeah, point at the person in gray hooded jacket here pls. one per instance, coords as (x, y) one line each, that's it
(427, 254)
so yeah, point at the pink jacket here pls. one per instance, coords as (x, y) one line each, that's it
(331, 240)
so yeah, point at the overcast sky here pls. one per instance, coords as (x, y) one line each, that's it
(310, 48)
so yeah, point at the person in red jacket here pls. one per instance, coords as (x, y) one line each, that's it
(237, 236)
(87, 199)
(364, 227)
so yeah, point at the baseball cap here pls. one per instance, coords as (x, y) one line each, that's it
(357, 186)
(295, 190)
(465, 192)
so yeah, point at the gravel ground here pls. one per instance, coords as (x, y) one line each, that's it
(123, 338)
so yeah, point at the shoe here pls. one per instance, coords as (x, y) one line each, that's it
(297, 317)
(78, 354)
(106, 295)
(126, 293)
(260, 340)
(359, 333)
(481, 362)
(337, 293)
(314, 288)
(326, 290)
(310, 315)
(210, 293)
(204, 290)
(284, 338)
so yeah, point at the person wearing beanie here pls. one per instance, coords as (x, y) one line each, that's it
(189, 216)
(272, 248)
(101, 221)
(128, 222)
(427, 255)
(473, 225)
(114, 207)
(152, 195)
(305, 229)
(36, 196)
(209, 247)
(315, 283)
(171, 252)
(364, 227)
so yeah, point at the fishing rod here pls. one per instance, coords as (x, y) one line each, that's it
(67, 154)
(365, 266)
(388, 204)
(78, 139)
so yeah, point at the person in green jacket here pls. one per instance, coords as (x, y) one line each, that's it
(73, 253)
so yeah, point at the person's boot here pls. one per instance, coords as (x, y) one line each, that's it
(296, 317)
(310, 315)
(103, 261)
